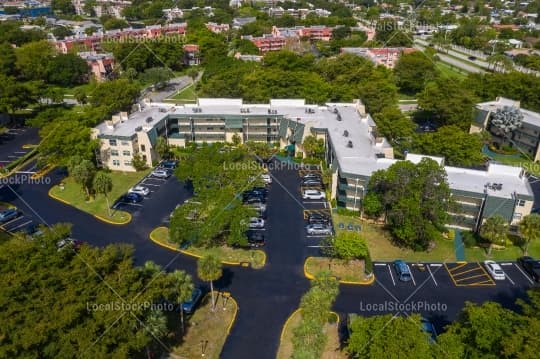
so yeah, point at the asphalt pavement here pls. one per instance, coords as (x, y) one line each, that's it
(266, 297)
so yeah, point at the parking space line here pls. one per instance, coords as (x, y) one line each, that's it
(391, 275)
(467, 271)
(524, 274)
(432, 276)
(19, 226)
(450, 274)
(471, 277)
(12, 221)
(510, 279)
(460, 265)
(486, 273)
(412, 276)
(20, 152)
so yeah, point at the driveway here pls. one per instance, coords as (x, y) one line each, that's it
(268, 296)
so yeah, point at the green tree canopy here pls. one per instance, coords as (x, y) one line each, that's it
(413, 70)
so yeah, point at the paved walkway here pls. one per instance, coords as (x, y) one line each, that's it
(459, 248)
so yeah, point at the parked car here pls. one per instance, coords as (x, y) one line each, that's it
(318, 218)
(255, 239)
(255, 222)
(262, 190)
(169, 164)
(69, 242)
(429, 328)
(161, 173)
(311, 175)
(311, 182)
(495, 270)
(313, 194)
(33, 230)
(402, 270)
(318, 229)
(190, 305)
(259, 206)
(531, 266)
(472, 58)
(253, 194)
(255, 200)
(267, 179)
(8, 214)
(143, 191)
(132, 197)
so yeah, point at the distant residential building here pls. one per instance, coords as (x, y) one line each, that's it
(267, 43)
(101, 64)
(173, 14)
(192, 56)
(526, 138)
(217, 28)
(239, 22)
(93, 42)
(255, 58)
(385, 56)
(321, 33)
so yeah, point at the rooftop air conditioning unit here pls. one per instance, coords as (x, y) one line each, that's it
(349, 144)
(345, 133)
(149, 119)
(138, 129)
(338, 117)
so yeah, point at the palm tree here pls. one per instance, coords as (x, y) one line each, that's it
(209, 269)
(182, 287)
(156, 325)
(103, 184)
(494, 230)
(530, 229)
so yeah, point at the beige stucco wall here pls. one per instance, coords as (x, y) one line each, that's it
(523, 210)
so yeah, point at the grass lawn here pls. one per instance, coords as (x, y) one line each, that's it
(205, 325)
(331, 350)
(256, 258)
(187, 94)
(352, 271)
(406, 97)
(74, 195)
(450, 71)
(510, 253)
(382, 249)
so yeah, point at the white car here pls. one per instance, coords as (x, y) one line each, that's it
(161, 173)
(313, 194)
(143, 191)
(495, 270)
(266, 178)
(255, 222)
(318, 229)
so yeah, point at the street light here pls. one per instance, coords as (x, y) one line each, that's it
(204, 343)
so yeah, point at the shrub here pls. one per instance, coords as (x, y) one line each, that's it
(368, 264)
(469, 239)
(451, 234)
(348, 212)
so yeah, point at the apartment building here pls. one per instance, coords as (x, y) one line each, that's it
(217, 28)
(267, 42)
(525, 138)
(101, 64)
(387, 56)
(353, 149)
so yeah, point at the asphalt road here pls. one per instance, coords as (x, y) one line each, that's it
(268, 296)
(452, 61)
(12, 142)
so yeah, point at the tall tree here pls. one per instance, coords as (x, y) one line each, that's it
(162, 147)
(33, 59)
(314, 147)
(182, 288)
(209, 269)
(529, 227)
(413, 71)
(67, 70)
(82, 172)
(494, 230)
(103, 184)
(156, 325)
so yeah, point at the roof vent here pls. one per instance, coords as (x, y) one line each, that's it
(197, 109)
(338, 117)
(138, 129)
(149, 119)
(335, 110)
(244, 110)
(345, 133)
(269, 111)
(349, 144)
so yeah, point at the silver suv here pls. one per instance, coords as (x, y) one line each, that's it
(318, 229)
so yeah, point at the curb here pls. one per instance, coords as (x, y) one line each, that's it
(191, 254)
(310, 276)
(234, 316)
(43, 172)
(94, 215)
(286, 324)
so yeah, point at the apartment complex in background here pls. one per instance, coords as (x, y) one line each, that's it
(101, 64)
(282, 37)
(525, 138)
(353, 149)
(385, 56)
(93, 42)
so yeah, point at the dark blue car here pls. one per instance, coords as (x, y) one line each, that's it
(190, 305)
(132, 198)
(9, 214)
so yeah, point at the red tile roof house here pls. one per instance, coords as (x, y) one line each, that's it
(191, 55)
(101, 65)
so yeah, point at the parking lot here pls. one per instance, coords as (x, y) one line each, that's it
(18, 224)
(14, 143)
(463, 275)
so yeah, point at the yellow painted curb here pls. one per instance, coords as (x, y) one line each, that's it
(191, 254)
(28, 145)
(57, 198)
(310, 276)
(234, 316)
(7, 205)
(287, 324)
(43, 172)
(95, 215)
(103, 219)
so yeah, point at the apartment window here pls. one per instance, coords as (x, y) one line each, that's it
(116, 163)
(112, 142)
(126, 153)
(143, 148)
(127, 163)
(125, 143)
(521, 202)
(114, 153)
(144, 158)
(517, 215)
